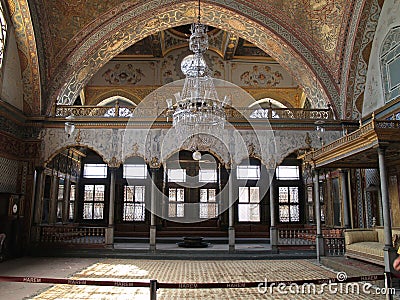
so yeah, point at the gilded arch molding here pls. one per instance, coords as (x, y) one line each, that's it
(28, 55)
(140, 21)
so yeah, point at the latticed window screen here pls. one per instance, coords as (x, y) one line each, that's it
(289, 208)
(208, 204)
(93, 205)
(3, 34)
(249, 204)
(72, 202)
(176, 206)
(134, 204)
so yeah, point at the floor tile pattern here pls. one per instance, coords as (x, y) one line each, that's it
(197, 271)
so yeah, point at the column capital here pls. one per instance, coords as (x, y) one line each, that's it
(114, 163)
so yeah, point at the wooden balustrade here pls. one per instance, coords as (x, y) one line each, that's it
(296, 236)
(232, 113)
(72, 235)
(334, 241)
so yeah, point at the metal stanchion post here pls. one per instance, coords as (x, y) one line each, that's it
(153, 289)
(388, 285)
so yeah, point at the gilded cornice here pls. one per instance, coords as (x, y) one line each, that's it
(372, 135)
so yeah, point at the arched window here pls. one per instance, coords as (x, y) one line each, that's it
(3, 34)
(122, 101)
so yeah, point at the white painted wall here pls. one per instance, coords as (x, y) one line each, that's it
(374, 92)
(11, 86)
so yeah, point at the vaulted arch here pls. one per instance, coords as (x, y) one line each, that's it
(136, 22)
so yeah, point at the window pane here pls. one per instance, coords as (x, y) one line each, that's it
(180, 195)
(135, 171)
(208, 175)
(211, 195)
(172, 194)
(254, 195)
(284, 213)
(244, 213)
(176, 175)
(129, 190)
(283, 194)
(59, 209)
(243, 194)
(287, 173)
(208, 210)
(249, 212)
(71, 210)
(99, 193)
(72, 193)
(139, 194)
(294, 213)
(254, 212)
(98, 211)
(294, 194)
(72, 202)
(95, 171)
(203, 195)
(203, 210)
(180, 210)
(172, 210)
(60, 192)
(88, 193)
(248, 172)
(87, 211)
(128, 212)
(139, 212)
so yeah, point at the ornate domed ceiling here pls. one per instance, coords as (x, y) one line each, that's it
(62, 44)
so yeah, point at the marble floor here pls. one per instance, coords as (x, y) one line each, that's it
(175, 271)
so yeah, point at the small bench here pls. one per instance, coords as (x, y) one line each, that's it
(367, 244)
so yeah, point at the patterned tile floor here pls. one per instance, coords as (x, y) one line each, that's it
(200, 271)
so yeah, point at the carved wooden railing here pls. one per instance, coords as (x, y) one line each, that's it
(239, 113)
(296, 236)
(333, 238)
(72, 235)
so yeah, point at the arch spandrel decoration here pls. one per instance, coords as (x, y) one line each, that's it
(116, 145)
(91, 55)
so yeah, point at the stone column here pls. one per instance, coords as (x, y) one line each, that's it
(67, 190)
(319, 238)
(110, 229)
(273, 231)
(231, 229)
(153, 202)
(39, 185)
(53, 199)
(346, 201)
(388, 250)
(38, 206)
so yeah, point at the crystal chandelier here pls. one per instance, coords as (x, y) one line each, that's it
(198, 109)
